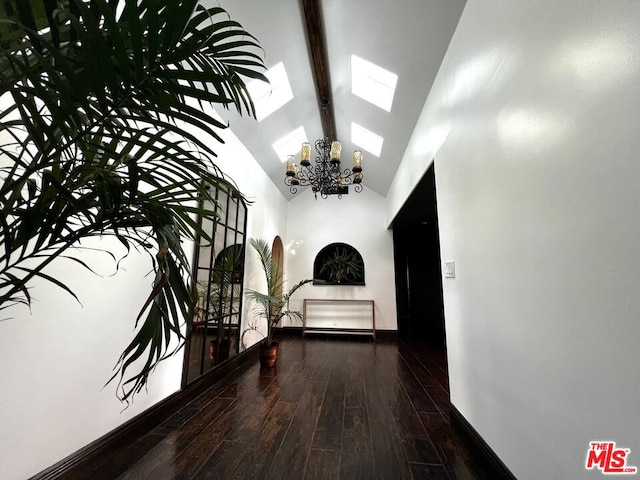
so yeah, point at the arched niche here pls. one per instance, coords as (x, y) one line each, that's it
(277, 252)
(338, 264)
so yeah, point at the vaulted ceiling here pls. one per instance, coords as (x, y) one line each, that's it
(406, 37)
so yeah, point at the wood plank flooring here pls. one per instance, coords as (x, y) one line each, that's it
(333, 409)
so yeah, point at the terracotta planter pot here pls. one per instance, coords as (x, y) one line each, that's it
(269, 355)
(224, 351)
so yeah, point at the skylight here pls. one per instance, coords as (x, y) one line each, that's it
(290, 144)
(372, 83)
(366, 139)
(267, 98)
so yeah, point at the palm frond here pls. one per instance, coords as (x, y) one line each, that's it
(110, 132)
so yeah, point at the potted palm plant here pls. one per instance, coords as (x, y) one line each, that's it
(274, 304)
(218, 299)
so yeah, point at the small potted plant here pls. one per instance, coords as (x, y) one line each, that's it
(272, 305)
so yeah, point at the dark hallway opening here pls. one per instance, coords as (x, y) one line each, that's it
(418, 266)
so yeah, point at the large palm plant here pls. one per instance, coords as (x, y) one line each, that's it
(273, 305)
(103, 106)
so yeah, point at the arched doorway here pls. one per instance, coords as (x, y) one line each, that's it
(277, 252)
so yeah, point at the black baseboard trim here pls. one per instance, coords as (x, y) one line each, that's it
(481, 451)
(297, 332)
(288, 331)
(387, 334)
(78, 462)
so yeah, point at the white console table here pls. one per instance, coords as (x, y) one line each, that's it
(345, 317)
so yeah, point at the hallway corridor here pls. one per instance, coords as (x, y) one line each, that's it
(333, 409)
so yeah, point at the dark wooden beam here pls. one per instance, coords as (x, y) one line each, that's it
(320, 64)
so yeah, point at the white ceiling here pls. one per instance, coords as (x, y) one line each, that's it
(406, 37)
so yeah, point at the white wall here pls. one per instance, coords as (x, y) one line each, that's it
(533, 121)
(56, 360)
(357, 219)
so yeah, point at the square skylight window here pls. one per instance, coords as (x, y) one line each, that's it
(372, 83)
(290, 144)
(267, 98)
(366, 139)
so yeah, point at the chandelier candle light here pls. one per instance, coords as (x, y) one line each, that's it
(325, 176)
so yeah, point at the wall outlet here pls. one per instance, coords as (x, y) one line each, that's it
(450, 269)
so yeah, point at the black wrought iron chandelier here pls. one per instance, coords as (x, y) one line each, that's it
(326, 176)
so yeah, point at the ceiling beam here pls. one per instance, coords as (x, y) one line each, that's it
(320, 63)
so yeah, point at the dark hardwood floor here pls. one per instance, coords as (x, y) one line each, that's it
(333, 409)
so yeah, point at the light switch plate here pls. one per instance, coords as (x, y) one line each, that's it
(450, 269)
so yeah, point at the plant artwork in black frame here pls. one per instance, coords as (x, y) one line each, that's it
(338, 264)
